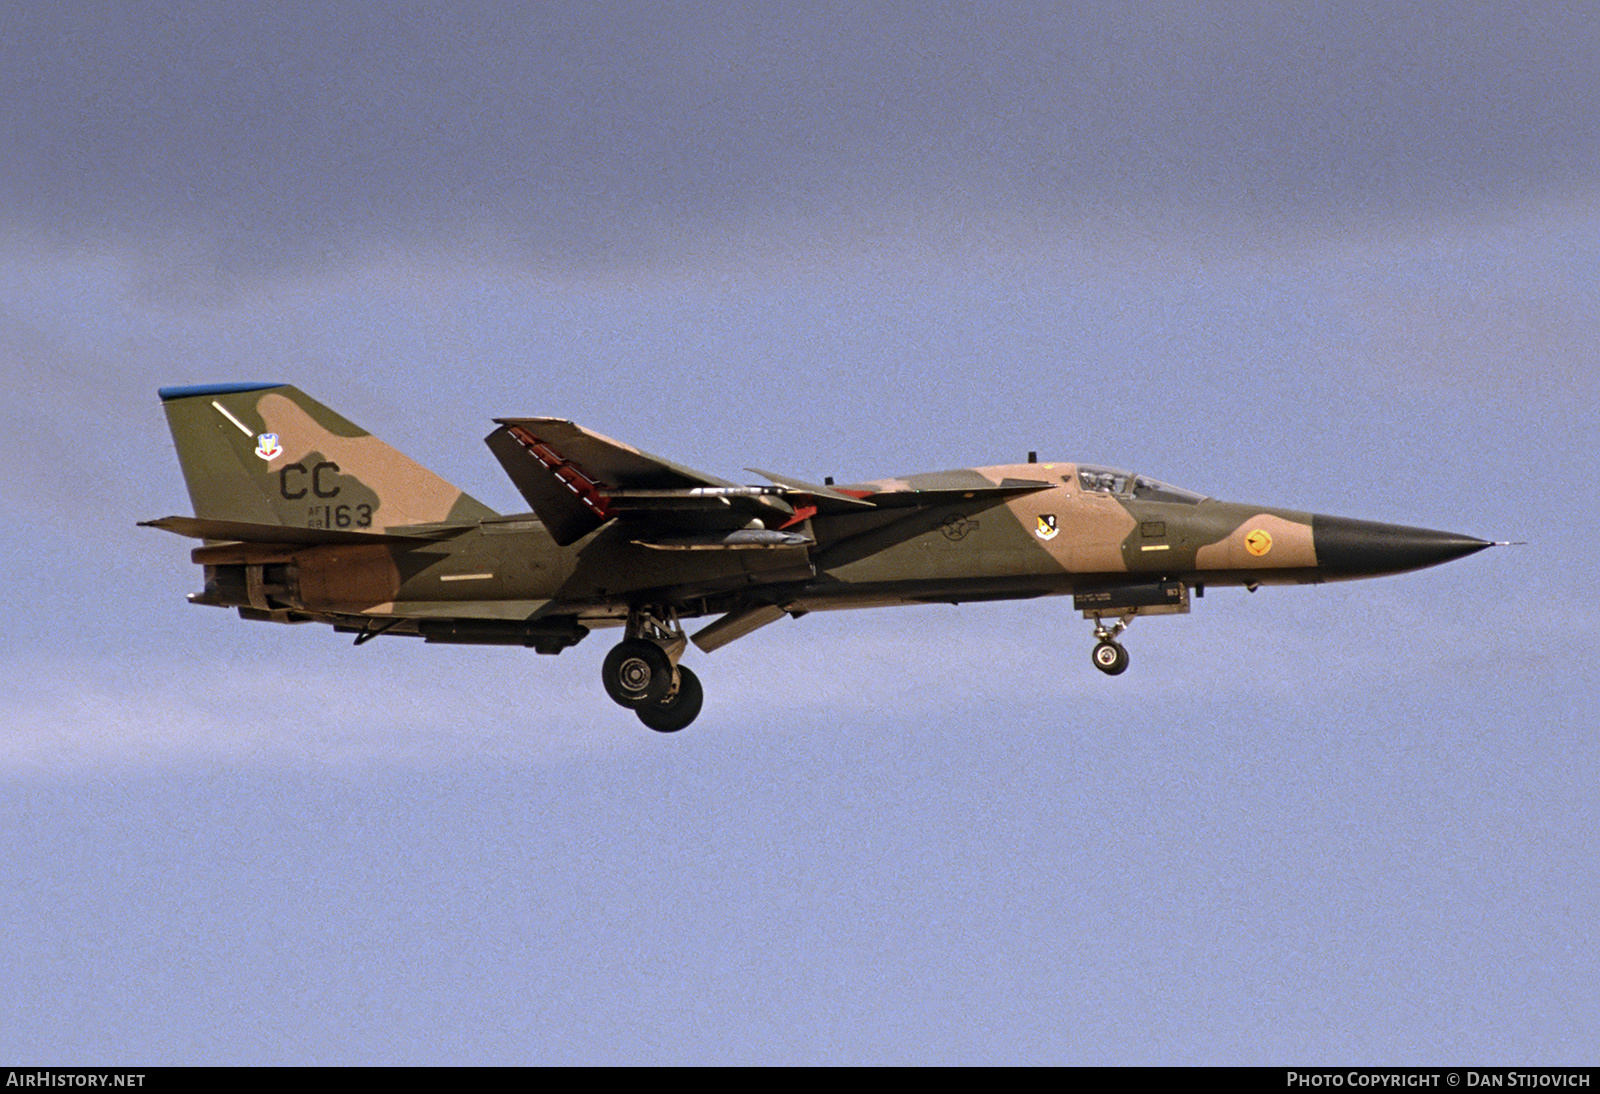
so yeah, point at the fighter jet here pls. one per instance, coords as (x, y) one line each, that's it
(307, 518)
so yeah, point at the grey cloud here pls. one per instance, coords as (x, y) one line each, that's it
(274, 132)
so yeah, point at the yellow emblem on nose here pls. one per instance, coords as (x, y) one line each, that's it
(1258, 542)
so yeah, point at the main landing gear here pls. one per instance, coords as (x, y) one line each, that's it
(1109, 656)
(642, 673)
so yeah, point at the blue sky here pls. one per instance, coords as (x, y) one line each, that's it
(1309, 255)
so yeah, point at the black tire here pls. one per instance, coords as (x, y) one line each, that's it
(636, 672)
(1110, 658)
(677, 712)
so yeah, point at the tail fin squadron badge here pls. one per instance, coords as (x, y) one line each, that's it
(1046, 528)
(267, 446)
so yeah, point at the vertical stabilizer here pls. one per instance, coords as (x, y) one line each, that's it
(270, 454)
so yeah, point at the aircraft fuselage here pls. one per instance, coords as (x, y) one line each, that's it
(308, 518)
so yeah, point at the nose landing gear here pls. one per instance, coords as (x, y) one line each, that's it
(1109, 656)
(1126, 602)
(642, 672)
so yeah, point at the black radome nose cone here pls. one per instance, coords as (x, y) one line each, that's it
(1364, 548)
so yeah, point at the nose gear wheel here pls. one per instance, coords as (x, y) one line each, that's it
(1110, 658)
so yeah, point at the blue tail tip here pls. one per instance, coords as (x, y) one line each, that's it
(193, 390)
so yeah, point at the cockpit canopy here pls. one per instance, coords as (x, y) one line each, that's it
(1110, 480)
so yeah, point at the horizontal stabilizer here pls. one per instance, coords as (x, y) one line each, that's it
(244, 532)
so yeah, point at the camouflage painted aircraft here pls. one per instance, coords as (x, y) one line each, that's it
(308, 518)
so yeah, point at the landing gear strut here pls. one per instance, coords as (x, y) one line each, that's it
(642, 672)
